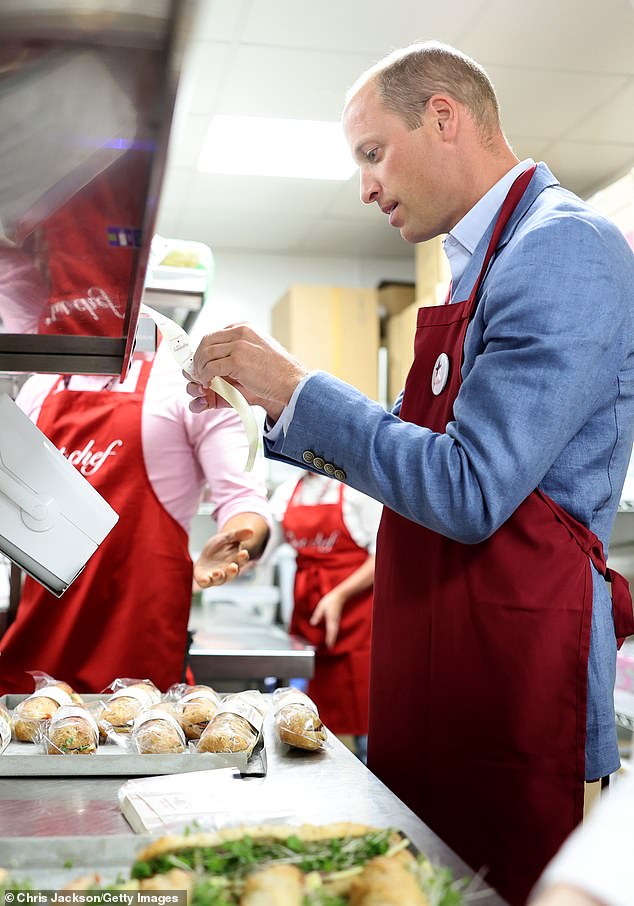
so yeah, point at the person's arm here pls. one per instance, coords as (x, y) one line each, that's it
(331, 606)
(541, 363)
(593, 867)
(541, 360)
(567, 895)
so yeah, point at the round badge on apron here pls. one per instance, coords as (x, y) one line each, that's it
(440, 373)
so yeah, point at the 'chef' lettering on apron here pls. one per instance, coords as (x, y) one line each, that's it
(89, 461)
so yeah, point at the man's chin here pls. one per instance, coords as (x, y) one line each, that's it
(408, 236)
(414, 236)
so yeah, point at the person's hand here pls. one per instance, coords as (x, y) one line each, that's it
(222, 558)
(329, 610)
(204, 398)
(262, 370)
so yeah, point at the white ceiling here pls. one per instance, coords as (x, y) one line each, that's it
(563, 70)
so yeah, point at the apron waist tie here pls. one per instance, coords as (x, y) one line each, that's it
(622, 606)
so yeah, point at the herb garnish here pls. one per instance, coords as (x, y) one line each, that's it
(236, 857)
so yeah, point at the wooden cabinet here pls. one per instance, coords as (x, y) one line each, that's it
(332, 328)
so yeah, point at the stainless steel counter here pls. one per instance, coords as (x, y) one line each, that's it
(321, 787)
(248, 652)
(243, 648)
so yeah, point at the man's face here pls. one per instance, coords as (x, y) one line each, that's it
(401, 169)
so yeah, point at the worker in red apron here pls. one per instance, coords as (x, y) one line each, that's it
(523, 791)
(98, 631)
(334, 543)
(127, 613)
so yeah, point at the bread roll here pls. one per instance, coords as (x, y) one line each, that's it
(228, 732)
(5, 728)
(125, 704)
(72, 731)
(199, 705)
(76, 697)
(300, 727)
(297, 720)
(157, 732)
(33, 711)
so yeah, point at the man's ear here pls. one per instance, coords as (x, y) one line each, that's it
(443, 113)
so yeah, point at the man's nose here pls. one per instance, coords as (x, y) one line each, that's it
(369, 188)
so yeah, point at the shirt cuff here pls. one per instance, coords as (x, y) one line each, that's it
(272, 431)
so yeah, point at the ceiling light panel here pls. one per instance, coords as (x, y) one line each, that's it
(263, 146)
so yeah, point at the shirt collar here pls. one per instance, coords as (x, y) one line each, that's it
(461, 241)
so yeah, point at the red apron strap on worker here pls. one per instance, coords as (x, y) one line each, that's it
(622, 608)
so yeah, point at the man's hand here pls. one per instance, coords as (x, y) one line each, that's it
(329, 609)
(222, 557)
(261, 369)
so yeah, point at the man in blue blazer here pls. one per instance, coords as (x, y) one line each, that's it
(500, 468)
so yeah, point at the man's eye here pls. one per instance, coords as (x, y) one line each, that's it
(371, 155)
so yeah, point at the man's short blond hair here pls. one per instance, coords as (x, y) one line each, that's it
(407, 78)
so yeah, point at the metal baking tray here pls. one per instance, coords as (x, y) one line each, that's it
(23, 759)
(51, 862)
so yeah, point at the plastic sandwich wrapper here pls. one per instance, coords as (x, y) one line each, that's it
(51, 518)
(180, 347)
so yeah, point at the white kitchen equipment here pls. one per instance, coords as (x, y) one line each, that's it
(51, 519)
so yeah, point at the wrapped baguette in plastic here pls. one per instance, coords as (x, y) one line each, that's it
(128, 699)
(156, 731)
(42, 680)
(199, 705)
(297, 720)
(236, 726)
(33, 711)
(72, 730)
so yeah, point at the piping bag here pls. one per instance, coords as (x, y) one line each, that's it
(180, 347)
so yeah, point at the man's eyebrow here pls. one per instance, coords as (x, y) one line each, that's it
(358, 152)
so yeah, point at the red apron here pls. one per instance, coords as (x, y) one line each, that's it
(89, 248)
(326, 555)
(127, 613)
(480, 652)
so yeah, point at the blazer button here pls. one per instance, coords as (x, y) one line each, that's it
(340, 474)
(308, 455)
(318, 462)
(329, 469)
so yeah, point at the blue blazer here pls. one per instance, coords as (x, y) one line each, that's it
(547, 399)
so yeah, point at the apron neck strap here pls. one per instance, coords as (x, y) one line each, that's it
(510, 203)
